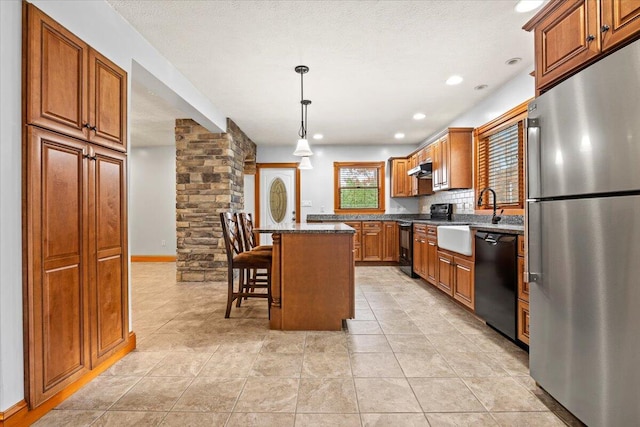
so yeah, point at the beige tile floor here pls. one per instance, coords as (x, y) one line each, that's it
(411, 357)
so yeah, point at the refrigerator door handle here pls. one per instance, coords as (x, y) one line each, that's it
(533, 237)
(533, 155)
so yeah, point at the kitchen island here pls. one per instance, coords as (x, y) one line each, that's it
(312, 276)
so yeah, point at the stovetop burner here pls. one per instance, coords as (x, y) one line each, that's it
(441, 211)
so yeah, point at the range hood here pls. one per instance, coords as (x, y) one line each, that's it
(422, 171)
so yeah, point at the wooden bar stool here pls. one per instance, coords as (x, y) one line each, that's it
(243, 261)
(254, 276)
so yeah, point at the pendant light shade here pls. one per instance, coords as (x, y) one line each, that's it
(305, 163)
(303, 149)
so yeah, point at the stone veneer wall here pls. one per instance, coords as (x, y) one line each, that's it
(210, 171)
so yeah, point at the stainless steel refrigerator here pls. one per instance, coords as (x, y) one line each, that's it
(583, 230)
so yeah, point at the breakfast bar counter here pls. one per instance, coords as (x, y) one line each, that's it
(312, 276)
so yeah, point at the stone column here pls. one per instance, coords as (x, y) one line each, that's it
(210, 179)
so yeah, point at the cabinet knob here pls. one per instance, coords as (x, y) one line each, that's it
(605, 28)
(590, 38)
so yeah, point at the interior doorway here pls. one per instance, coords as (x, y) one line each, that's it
(277, 195)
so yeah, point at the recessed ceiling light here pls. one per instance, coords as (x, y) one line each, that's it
(480, 87)
(399, 135)
(513, 61)
(527, 5)
(317, 136)
(454, 80)
(419, 116)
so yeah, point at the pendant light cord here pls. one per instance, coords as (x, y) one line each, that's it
(302, 132)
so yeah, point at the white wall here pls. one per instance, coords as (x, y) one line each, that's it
(316, 184)
(11, 350)
(250, 195)
(152, 201)
(509, 95)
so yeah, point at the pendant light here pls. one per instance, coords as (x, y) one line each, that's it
(305, 163)
(303, 149)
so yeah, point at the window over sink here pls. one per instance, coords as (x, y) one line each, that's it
(358, 187)
(499, 154)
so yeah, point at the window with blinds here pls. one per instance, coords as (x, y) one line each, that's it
(359, 186)
(499, 160)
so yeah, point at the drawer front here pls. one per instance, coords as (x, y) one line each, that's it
(419, 228)
(371, 225)
(432, 230)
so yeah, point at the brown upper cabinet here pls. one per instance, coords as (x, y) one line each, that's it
(571, 34)
(452, 160)
(400, 183)
(403, 185)
(71, 88)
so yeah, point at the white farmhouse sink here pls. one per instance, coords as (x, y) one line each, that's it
(456, 238)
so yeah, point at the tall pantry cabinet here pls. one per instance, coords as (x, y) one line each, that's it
(75, 211)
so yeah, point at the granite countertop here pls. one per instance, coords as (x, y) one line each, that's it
(303, 228)
(366, 217)
(513, 224)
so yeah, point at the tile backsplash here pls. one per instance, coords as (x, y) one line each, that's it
(463, 201)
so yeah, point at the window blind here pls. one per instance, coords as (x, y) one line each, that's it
(359, 187)
(500, 165)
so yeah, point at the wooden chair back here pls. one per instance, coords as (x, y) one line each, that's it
(246, 223)
(232, 235)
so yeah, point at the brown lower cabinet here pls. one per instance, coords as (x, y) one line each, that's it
(451, 273)
(76, 309)
(372, 241)
(391, 241)
(523, 296)
(357, 253)
(463, 281)
(445, 272)
(375, 241)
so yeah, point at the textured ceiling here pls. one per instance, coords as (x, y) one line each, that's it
(373, 64)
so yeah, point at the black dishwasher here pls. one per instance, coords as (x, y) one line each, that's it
(496, 281)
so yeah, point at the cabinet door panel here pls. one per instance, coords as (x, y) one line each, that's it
(56, 76)
(463, 282)
(417, 255)
(445, 272)
(563, 40)
(400, 178)
(523, 321)
(445, 162)
(57, 280)
(391, 241)
(109, 274)
(372, 241)
(437, 165)
(357, 239)
(432, 261)
(623, 19)
(62, 324)
(523, 287)
(107, 102)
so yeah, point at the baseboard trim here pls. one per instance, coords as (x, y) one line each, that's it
(18, 410)
(153, 258)
(20, 415)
